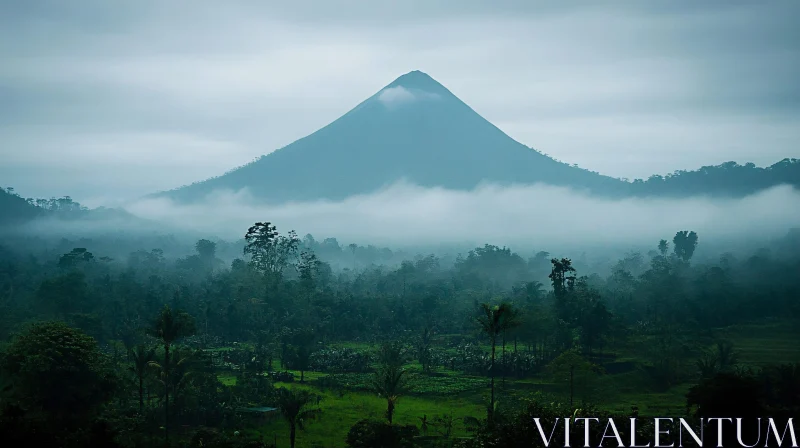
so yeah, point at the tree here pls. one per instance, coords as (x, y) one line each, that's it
(206, 249)
(142, 356)
(74, 258)
(302, 347)
(58, 373)
(595, 323)
(493, 320)
(683, 244)
(571, 364)
(293, 405)
(308, 267)
(353, 247)
(663, 247)
(560, 278)
(390, 378)
(181, 369)
(424, 352)
(724, 394)
(371, 434)
(168, 328)
(269, 252)
(65, 294)
(511, 320)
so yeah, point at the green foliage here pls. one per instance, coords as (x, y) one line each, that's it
(269, 252)
(59, 372)
(652, 324)
(172, 325)
(341, 360)
(683, 244)
(391, 379)
(371, 434)
(295, 408)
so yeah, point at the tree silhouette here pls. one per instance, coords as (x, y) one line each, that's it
(142, 357)
(559, 276)
(353, 247)
(168, 328)
(293, 405)
(270, 253)
(493, 320)
(390, 380)
(683, 244)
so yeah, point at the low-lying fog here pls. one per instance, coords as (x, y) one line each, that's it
(525, 218)
(404, 215)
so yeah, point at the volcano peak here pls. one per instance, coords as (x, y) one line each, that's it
(417, 80)
(414, 129)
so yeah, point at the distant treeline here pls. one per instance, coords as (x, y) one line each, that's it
(15, 209)
(727, 179)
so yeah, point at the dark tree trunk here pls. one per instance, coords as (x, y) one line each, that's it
(141, 394)
(491, 375)
(504, 360)
(166, 393)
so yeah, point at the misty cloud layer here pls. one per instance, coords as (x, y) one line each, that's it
(522, 217)
(105, 102)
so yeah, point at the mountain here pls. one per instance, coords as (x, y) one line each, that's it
(413, 129)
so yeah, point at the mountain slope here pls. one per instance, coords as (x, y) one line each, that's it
(413, 129)
(16, 210)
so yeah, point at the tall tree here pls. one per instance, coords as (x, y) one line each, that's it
(683, 244)
(269, 252)
(353, 247)
(206, 249)
(294, 406)
(560, 276)
(309, 270)
(492, 321)
(168, 328)
(141, 356)
(390, 378)
(510, 320)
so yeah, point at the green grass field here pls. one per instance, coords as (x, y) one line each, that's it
(462, 396)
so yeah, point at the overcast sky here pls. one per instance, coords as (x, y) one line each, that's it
(109, 100)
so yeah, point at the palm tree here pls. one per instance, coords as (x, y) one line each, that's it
(353, 247)
(182, 366)
(390, 381)
(293, 406)
(494, 320)
(142, 357)
(727, 356)
(169, 327)
(510, 319)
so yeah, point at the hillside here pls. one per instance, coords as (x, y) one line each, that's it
(728, 179)
(15, 210)
(413, 129)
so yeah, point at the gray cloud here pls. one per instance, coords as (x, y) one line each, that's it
(143, 96)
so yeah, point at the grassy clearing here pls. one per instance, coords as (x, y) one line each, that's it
(341, 411)
(766, 343)
(347, 401)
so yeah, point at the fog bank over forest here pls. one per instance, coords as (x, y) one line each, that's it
(404, 215)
